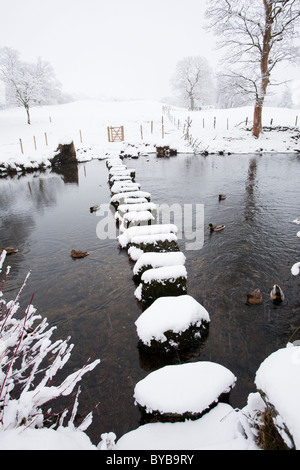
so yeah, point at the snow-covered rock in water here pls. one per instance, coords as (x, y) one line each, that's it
(124, 186)
(119, 178)
(64, 438)
(120, 198)
(151, 260)
(219, 429)
(134, 253)
(296, 221)
(159, 242)
(295, 269)
(172, 323)
(115, 163)
(178, 392)
(126, 237)
(136, 218)
(278, 381)
(161, 282)
(144, 206)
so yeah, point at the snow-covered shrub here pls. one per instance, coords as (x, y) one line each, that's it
(25, 377)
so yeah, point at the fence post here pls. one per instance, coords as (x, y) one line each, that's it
(34, 142)
(141, 132)
(46, 138)
(108, 133)
(296, 122)
(21, 145)
(80, 135)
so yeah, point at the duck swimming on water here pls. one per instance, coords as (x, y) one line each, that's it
(79, 254)
(276, 294)
(215, 228)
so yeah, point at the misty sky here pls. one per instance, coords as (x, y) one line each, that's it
(109, 48)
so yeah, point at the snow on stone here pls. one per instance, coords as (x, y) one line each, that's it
(182, 388)
(278, 377)
(126, 237)
(169, 313)
(157, 260)
(164, 273)
(135, 217)
(154, 238)
(120, 187)
(296, 221)
(219, 429)
(121, 197)
(134, 253)
(145, 206)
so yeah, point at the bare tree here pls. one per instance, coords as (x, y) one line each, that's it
(27, 84)
(193, 80)
(257, 35)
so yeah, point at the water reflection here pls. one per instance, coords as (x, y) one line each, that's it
(92, 299)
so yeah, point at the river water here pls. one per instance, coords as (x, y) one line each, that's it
(45, 215)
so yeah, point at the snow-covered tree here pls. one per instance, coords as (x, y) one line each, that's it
(27, 84)
(193, 81)
(27, 381)
(257, 35)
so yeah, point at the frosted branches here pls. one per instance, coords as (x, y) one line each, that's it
(29, 361)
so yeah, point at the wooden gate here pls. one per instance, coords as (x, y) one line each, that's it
(115, 134)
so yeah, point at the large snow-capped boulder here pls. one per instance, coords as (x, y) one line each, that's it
(178, 392)
(172, 323)
(161, 282)
(278, 381)
(151, 260)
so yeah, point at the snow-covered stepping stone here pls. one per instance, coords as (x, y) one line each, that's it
(120, 198)
(124, 186)
(136, 218)
(151, 260)
(160, 242)
(161, 282)
(137, 206)
(184, 391)
(172, 323)
(155, 229)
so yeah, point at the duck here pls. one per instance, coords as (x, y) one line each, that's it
(216, 228)
(79, 254)
(254, 297)
(9, 250)
(276, 294)
(94, 208)
(222, 197)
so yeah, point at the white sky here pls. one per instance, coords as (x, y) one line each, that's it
(124, 48)
(112, 48)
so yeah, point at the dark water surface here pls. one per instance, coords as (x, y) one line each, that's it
(45, 215)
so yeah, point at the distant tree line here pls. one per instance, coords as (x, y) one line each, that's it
(28, 84)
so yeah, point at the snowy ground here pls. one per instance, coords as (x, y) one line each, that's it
(86, 123)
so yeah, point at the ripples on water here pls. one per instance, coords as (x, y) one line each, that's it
(46, 215)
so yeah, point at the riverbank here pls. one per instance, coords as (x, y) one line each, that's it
(146, 124)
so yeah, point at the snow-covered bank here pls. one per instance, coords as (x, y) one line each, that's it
(146, 124)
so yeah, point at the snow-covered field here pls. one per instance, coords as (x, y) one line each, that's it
(145, 122)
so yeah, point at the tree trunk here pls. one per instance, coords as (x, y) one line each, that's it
(264, 69)
(257, 118)
(192, 102)
(28, 115)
